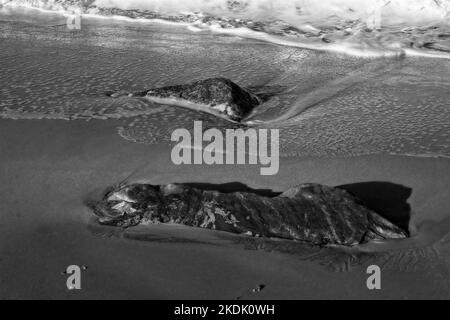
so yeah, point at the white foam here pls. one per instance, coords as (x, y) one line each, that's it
(309, 16)
(394, 11)
(217, 110)
(344, 48)
(296, 12)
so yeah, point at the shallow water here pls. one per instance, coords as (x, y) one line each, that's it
(324, 104)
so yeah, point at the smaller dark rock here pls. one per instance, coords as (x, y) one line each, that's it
(258, 288)
(217, 95)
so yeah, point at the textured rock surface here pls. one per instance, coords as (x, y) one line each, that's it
(218, 94)
(311, 212)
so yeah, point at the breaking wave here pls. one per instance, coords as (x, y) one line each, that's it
(356, 27)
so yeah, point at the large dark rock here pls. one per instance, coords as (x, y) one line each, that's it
(314, 213)
(218, 95)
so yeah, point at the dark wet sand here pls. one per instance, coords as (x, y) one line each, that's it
(49, 167)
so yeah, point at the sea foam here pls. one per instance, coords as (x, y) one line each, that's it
(367, 28)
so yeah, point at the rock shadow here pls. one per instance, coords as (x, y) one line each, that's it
(388, 199)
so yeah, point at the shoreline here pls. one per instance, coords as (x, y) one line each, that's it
(356, 50)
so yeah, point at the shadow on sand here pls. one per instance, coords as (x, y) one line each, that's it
(388, 199)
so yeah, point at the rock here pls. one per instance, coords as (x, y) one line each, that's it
(258, 288)
(313, 213)
(217, 95)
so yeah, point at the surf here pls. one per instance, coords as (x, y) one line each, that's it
(358, 28)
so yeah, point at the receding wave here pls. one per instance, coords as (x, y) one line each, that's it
(356, 27)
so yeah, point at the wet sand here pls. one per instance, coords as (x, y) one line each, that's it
(48, 168)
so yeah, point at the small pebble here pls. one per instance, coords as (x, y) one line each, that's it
(259, 288)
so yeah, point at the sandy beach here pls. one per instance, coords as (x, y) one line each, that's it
(50, 167)
(358, 107)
